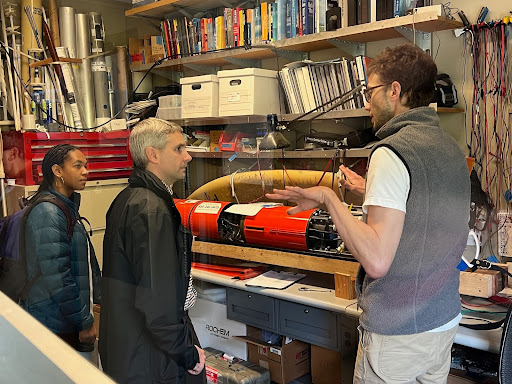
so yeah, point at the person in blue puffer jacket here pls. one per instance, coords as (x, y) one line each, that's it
(62, 297)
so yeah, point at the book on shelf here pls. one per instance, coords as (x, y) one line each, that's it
(231, 28)
(243, 25)
(281, 19)
(210, 30)
(204, 35)
(264, 21)
(236, 27)
(257, 25)
(251, 30)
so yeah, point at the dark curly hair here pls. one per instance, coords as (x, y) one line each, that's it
(412, 68)
(56, 155)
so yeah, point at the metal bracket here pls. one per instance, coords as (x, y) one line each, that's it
(292, 55)
(185, 13)
(174, 76)
(244, 63)
(351, 47)
(226, 4)
(147, 21)
(206, 69)
(422, 39)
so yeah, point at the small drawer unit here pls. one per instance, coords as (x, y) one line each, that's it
(248, 91)
(252, 308)
(309, 324)
(199, 96)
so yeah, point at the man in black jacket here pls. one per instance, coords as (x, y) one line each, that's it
(146, 334)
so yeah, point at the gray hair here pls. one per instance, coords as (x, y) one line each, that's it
(150, 133)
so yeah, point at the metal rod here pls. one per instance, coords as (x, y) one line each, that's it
(85, 79)
(14, 101)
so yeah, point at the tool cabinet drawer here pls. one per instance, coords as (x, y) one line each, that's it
(252, 308)
(309, 324)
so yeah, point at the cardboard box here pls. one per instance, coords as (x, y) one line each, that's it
(285, 363)
(481, 283)
(157, 46)
(215, 136)
(325, 365)
(136, 51)
(215, 330)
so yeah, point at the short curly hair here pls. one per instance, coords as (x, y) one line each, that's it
(412, 68)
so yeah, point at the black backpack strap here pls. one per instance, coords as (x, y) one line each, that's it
(484, 326)
(71, 221)
(82, 219)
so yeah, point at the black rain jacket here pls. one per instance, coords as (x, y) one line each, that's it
(146, 267)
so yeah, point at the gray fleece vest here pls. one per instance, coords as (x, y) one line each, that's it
(420, 292)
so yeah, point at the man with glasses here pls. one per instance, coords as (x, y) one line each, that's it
(417, 196)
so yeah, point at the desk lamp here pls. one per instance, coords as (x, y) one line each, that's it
(276, 140)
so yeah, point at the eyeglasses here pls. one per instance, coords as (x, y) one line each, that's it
(369, 91)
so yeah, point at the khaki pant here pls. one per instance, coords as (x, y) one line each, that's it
(420, 358)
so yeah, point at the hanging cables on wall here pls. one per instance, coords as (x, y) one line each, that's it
(489, 139)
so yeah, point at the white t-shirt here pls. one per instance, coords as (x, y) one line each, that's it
(387, 182)
(387, 185)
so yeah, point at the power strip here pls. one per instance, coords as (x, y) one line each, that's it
(504, 234)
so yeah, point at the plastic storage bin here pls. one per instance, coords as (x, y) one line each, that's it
(199, 96)
(222, 371)
(248, 91)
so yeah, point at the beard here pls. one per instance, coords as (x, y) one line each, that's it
(381, 117)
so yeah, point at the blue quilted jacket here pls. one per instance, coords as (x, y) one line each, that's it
(61, 297)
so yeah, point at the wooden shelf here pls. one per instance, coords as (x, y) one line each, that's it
(159, 9)
(278, 154)
(450, 110)
(277, 257)
(363, 33)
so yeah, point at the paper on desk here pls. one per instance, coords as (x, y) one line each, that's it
(250, 209)
(276, 280)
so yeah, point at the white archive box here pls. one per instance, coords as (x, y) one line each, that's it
(214, 329)
(248, 91)
(199, 96)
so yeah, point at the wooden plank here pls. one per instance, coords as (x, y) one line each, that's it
(61, 60)
(275, 257)
(481, 283)
(160, 8)
(364, 33)
(215, 59)
(344, 286)
(450, 110)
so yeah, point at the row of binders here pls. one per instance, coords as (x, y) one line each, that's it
(318, 86)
